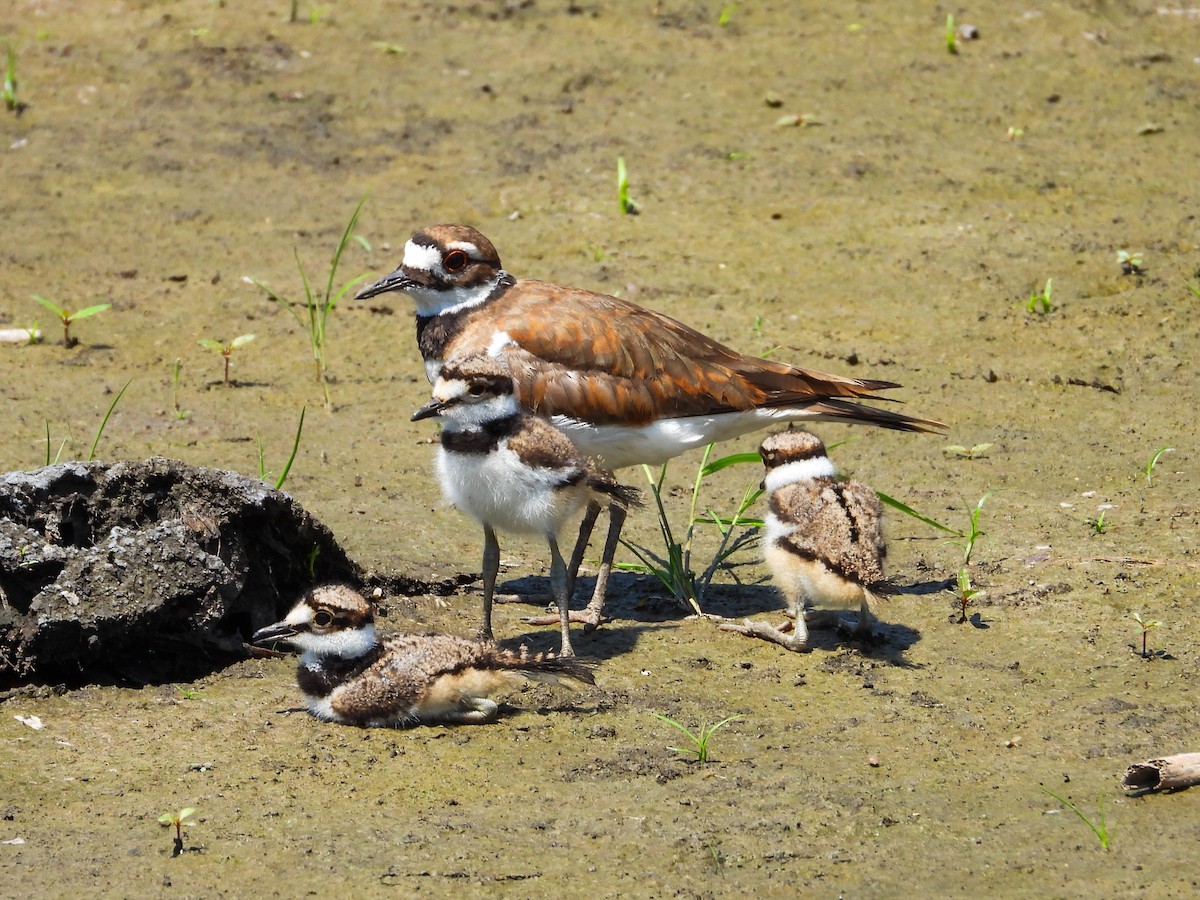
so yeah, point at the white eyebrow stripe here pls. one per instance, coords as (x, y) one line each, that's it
(422, 256)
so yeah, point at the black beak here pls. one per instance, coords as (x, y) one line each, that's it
(430, 410)
(396, 281)
(280, 631)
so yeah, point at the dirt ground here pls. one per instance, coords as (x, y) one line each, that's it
(169, 149)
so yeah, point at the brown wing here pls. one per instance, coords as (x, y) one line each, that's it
(621, 362)
(840, 524)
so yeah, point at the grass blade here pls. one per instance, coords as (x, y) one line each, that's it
(104, 421)
(909, 511)
(295, 447)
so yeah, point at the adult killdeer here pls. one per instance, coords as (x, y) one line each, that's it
(348, 675)
(511, 470)
(823, 543)
(627, 384)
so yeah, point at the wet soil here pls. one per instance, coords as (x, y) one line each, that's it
(169, 149)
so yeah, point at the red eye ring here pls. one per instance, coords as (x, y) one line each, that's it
(455, 261)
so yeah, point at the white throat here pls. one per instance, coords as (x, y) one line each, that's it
(347, 644)
(800, 470)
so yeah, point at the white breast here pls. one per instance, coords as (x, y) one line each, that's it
(498, 490)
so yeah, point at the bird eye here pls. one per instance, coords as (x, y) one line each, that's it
(455, 261)
(323, 618)
(476, 390)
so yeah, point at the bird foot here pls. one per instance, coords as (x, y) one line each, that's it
(589, 619)
(796, 642)
(534, 599)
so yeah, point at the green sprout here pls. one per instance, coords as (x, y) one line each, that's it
(1154, 462)
(319, 306)
(68, 318)
(966, 593)
(1145, 625)
(180, 821)
(287, 467)
(180, 413)
(673, 567)
(11, 103)
(1039, 301)
(226, 350)
(700, 739)
(628, 207)
(951, 35)
(1101, 830)
(1100, 524)
(1130, 263)
(970, 537)
(977, 451)
(727, 12)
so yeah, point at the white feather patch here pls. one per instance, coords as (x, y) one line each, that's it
(800, 470)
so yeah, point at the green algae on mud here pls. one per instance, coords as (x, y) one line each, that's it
(170, 149)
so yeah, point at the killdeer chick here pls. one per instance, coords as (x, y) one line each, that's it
(823, 543)
(349, 675)
(626, 384)
(511, 470)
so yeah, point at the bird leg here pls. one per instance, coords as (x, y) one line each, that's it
(591, 617)
(862, 629)
(585, 534)
(491, 568)
(796, 641)
(558, 584)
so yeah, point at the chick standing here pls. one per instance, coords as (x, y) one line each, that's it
(824, 541)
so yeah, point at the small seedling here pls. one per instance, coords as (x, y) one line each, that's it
(180, 413)
(1039, 301)
(11, 103)
(700, 739)
(1100, 524)
(1101, 830)
(180, 821)
(978, 451)
(951, 35)
(68, 318)
(317, 306)
(970, 537)
(1014, 132)
(628, 207)
(727, 12)
(1154, 462)
(189, 694)
(966, 593)
(1130, 263)
(226, 350)
(1145, 625)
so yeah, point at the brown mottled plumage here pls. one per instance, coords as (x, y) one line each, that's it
(349, 676)
(824, 540)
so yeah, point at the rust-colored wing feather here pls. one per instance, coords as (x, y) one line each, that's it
(632, 365)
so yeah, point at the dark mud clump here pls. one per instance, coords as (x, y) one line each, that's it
(146, 571)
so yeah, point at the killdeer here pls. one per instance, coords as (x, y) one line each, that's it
(628, 385)
(349, 676)
(823, 543)
(511, 470)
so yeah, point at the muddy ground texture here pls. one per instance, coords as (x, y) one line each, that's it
(167, 150)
